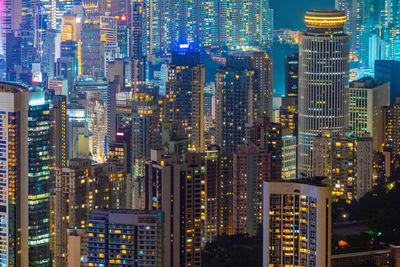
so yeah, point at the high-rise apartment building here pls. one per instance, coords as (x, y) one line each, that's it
(251, 167)
(59, 129)
(123, 238)
(390, 125)
(297, 223)
(176, 187)
(243, 94)
(366, 98)
(289, 157)
(11, 20)
(14, 174)
(210, 23)
(40, 163)
(267, 135)
(185, 96)
(262, 94)
(213, 192)
(347, 162)
(92, 50)
(292, 75)
(233, 108)
(80, 188)
(138, 120)
(353, 11)
(323, 80)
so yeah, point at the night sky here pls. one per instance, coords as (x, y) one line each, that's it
(290, 13)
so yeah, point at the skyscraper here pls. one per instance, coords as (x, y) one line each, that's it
(39, 163)
(292, 75)
(243, 94)
(289, 156)
(176, 187)
(234, 84)
(390, 127)
(323, 80)
(14, 174)
(267, 135)
(92, 50)
(69, 27)
(297, 223)
(251, 167)
(366, 98)
(11, 18)
(185, 95)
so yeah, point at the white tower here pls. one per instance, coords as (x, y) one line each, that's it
(323, 83)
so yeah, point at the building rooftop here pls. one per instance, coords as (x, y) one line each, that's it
(314, 180)
(12, 88)
(325, 18)
(366, 82)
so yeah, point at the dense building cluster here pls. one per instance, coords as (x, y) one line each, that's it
(118, 149)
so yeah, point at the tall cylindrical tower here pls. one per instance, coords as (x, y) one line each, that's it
(323, 80)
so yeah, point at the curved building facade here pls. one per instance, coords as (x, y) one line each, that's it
(323, 81)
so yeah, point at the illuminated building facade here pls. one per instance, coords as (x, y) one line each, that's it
(123, 238)
(207, 24)
(289, 156)
(347, 162)
(247, 23)
(243, 94)
(297, 223)
(10, 20)
(366, 97)
(77, 132)
(14, 175)
(121, 150)
(96, 114)
(123, 39)
(292, 75)
(353, 11)
(251, 167)
(92, 50)
(185, 96)
(69, 27)
(39, 163)
(80, 188)
(267, 135)
(390, 125)
(138, 120)
(218, 190)
(176, 187)
(323, 80)
(108, 29)
(289, 119)
(233, 110)
(71, 197)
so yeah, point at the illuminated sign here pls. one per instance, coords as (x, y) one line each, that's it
(184, 46)
(120, 134)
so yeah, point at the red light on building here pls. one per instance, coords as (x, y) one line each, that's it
(120, 134)
(123, 17)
